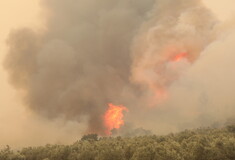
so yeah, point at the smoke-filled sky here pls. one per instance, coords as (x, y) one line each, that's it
(64, 61)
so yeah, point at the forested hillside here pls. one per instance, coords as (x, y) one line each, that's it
(200, 144)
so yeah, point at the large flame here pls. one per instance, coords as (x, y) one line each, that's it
(113, 117)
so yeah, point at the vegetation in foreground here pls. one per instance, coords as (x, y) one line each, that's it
(200, 144)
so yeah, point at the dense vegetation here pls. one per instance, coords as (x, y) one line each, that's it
(200, 144)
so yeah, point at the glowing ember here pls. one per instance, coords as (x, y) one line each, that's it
(179, 57)
(113, 117)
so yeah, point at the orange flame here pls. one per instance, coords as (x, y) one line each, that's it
(180, 56)
(113, 117)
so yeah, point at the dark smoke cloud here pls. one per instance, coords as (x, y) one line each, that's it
(80, 62)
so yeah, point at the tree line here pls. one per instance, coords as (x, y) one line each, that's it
(199, 144)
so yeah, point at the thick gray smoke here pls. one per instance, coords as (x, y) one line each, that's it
(94, 52)
(81, 62)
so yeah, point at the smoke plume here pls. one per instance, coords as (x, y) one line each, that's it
(137, 53)
(169, 43)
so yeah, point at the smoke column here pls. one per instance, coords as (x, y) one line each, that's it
(80, 62)
(133, 52)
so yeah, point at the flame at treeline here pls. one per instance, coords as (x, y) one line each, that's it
(113, 117)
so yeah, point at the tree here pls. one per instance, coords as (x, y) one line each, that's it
(90, 137)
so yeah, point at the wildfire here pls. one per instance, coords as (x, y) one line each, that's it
(179, 57)
(113, 117)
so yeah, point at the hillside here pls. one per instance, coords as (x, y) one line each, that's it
(199, 144)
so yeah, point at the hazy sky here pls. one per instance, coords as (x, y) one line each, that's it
(15, 121)
(13, 13)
